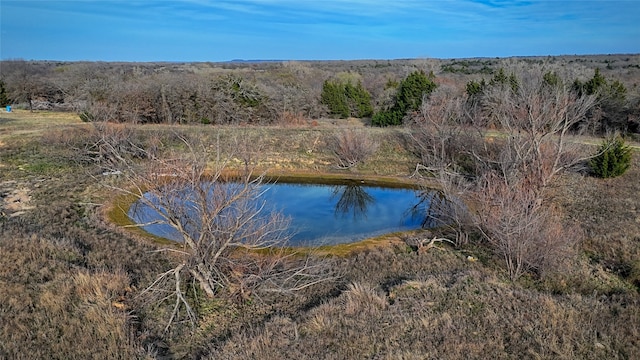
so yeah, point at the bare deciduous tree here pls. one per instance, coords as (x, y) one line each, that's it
(113, 145)
(536, 119)
(439, 132)
(529, 237)
(503, 173)
(352, 146)
(23, 80)
(231, 242)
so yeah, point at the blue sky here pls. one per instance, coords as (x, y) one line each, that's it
(220, 30)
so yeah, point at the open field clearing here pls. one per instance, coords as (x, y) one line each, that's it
(22, 125)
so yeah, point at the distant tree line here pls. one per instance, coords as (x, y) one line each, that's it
(613, 110)
(290, 92)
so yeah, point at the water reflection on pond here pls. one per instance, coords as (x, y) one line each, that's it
(330, 214)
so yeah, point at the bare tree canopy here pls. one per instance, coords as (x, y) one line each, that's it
(499, 151)
(230, 241)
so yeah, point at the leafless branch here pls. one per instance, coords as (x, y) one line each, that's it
(230, 239)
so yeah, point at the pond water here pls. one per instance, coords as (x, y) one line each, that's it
(328, 214)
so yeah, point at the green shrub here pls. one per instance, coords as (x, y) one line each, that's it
(408, 98)
(389, 117)
(475, 88)
(86, 116)
(333, 96)
(613, 158)
(345, 99)
(412, 89)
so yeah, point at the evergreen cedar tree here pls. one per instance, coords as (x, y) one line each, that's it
(345, 99)
(408, 98)
(613, 159)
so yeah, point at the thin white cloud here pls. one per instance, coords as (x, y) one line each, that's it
(337, 28)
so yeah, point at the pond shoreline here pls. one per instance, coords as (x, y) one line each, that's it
(116, 210)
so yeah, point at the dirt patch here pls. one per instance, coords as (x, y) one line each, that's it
(15, 199)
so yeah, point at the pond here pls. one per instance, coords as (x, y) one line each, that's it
(329, 214)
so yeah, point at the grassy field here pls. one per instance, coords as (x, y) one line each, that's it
(70, 279)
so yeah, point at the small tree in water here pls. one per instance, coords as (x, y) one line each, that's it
(230, 244)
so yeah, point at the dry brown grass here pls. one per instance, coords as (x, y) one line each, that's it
(53, 309)
(462, 312)
(22, 125)
(609, 212)
(69, 280)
